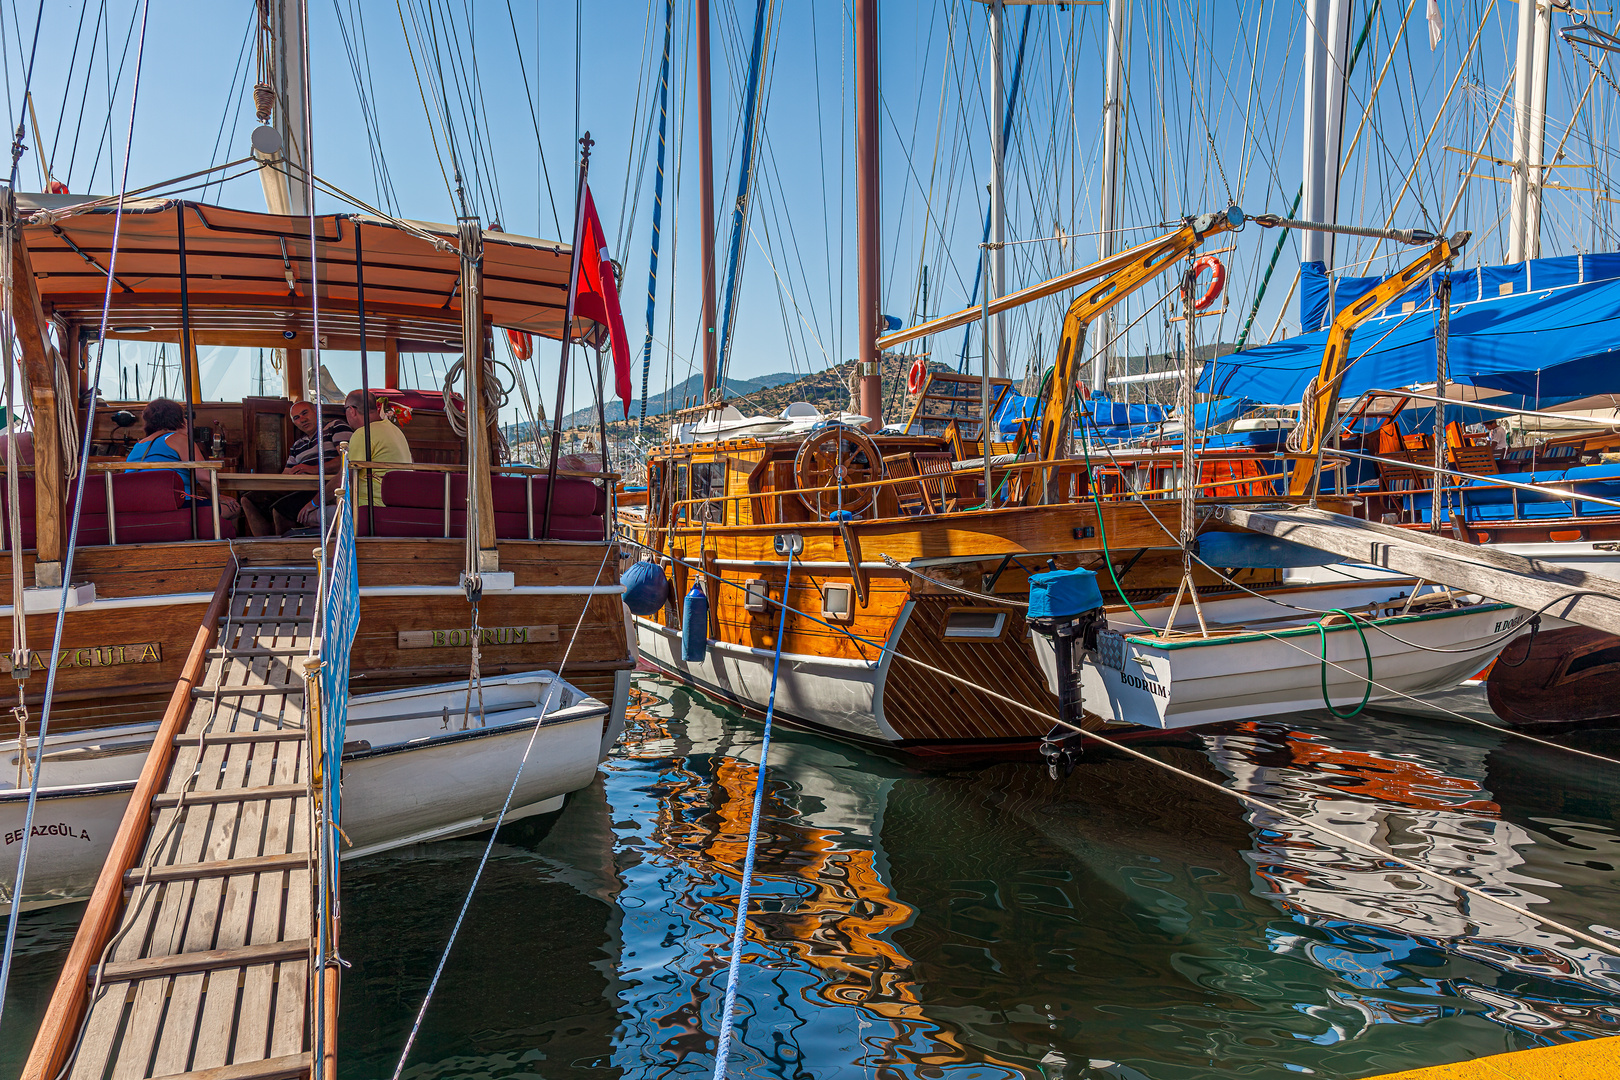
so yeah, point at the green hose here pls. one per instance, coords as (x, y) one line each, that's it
(1102, 530)
(1365, 648)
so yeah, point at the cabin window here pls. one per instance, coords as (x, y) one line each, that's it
(974, 624)
(679, 494)
(835, 605)
(709, 482)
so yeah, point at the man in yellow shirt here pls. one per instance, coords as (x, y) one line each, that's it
(380, 440)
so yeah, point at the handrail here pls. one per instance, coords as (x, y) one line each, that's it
(1368, 394)
(58, 1030)
(1493, 481)
(429, 466)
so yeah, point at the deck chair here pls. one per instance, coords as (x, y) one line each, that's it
(1479, 460)
(910, 493)
(1397, 478)
(938, 480)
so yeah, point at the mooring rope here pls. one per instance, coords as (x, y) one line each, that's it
(1609, 946)
(728, 1009)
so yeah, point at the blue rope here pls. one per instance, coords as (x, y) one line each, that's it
(723, 1049)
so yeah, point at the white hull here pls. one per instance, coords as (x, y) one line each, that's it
(844, 696)
(1239, 674)
(411, 773)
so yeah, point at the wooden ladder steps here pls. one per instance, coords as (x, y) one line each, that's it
(154, 967)
(243, 620)
(272, 592)
(290, 1067)
(252, 864)
(168, 800)
(240, 690)
(234, 654)
(219, 738)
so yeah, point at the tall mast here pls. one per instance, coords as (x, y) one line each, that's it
(279, 98)
(1113, 131)
(996, 337)
(1327, 49)
(868, 322)
(706, 199)
(1529, 129)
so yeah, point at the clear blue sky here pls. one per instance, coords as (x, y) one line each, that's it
(1214, 102)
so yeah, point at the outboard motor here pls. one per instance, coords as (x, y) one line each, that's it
(1066, 606)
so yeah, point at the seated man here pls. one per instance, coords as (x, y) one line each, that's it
(380, 439)
(273, 512)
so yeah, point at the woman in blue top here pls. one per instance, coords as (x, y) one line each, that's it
(165, 422)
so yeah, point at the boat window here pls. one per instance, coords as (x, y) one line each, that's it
(974, 623)
(709, 482)
(835, 602)
(679, 494)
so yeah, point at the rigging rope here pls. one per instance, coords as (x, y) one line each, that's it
(534, 732)
(73, 537)
(728, 1008)
(1609, 946)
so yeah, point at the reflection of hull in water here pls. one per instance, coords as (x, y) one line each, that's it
(409, 775)
(1566, 676)
(1433, 808)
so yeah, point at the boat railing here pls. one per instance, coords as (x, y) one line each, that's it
(1480, 482)
(686, 510)
(108, 469)
(1368, 396)
(362, 472)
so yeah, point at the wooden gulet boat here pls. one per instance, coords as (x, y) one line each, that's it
(146, 561)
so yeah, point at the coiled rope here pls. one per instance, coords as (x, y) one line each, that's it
(728, 1009)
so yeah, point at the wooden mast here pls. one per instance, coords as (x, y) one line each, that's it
(39, 366)
(480, 497)
(706, 171)
(868, 321)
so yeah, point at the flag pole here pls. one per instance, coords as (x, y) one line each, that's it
(585, 144)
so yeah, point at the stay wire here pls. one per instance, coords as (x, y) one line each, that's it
(73, 536)
(1612, 947)
(455, 929)
(728, 1008)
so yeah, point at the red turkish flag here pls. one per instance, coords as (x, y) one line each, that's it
(597, 298)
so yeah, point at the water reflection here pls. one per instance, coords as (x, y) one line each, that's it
(978, 920)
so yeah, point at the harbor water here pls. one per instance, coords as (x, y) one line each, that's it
(972, 919)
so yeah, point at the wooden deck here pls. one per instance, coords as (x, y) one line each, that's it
(208, 972)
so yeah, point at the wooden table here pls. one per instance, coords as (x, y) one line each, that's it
(268, 481)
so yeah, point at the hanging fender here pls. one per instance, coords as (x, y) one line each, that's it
(522, 344)
(917, 376)
(1217, 280)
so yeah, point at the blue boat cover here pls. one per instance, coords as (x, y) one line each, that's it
(1544, 347)
(1063, 594)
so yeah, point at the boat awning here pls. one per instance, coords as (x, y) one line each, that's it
(1546, 347)
(249, 275)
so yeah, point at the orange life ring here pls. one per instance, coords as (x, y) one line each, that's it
(522, 344)
(917, 376)
(1217, 280)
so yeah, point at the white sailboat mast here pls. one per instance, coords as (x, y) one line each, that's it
(284, 188)
(1327, 56)
(1113, 135)
(1529, 129)
(996, 339)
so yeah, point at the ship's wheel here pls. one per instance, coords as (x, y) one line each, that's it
(830, 460)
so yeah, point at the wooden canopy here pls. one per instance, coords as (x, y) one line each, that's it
(248, 275)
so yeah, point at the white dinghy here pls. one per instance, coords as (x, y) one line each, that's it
(419, 764)
(1263, 656)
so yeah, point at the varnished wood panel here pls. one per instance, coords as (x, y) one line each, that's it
(922, 706)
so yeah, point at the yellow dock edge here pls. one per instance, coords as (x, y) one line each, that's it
(1589, 1059)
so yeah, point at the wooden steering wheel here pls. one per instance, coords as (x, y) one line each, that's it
(832, 458)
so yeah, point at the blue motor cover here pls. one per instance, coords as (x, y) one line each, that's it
(1060, 595)
(645, 589)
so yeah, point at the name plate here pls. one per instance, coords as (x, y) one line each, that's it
(143, 652)
(487, 635)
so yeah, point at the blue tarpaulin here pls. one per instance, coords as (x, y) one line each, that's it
(1547, 346)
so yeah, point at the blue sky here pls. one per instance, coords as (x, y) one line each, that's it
(1214, 103)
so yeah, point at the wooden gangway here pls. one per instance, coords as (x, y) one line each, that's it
(195, 955)
(1587, 599)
